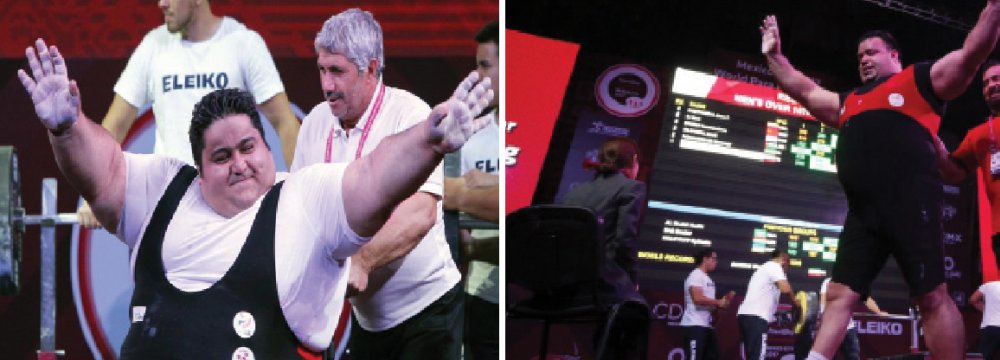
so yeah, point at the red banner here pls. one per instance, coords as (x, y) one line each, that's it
(113, 28)
(534, 96)
(737, 93)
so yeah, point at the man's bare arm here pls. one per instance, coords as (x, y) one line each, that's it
(119, 119)
(978, 300)
(87, 155)
(873, 307)
(699, 298)
(407, 225)
(481, 202)
(786, 288)
(951, 74)
(376, 183)
(951, 171)
(821, 103)
(279, 112)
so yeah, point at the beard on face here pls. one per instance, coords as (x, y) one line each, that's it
(994, 105)
(993, 99)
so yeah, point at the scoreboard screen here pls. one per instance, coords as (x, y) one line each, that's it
(743, 168)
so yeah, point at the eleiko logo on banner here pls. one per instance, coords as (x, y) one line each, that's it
(880, 328)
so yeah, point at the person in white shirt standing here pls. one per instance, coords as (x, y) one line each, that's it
(477, 193)
(699, 301)
(987, 300)
(766, 285)
(403, 283)
(193, 53)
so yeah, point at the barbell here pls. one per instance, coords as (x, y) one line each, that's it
(808, 309)
(13, 221)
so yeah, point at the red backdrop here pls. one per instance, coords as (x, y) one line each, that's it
(112, 28)
(429, 47)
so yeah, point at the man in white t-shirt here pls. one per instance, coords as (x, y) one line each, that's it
(404, 283)
(477, 193)
(211, 281)
(699, 301)
(850, 348)
(766, 285)
(987, 299)
(193, 53)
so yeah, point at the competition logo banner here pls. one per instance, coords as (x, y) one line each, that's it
(610, 96)
(627, 90)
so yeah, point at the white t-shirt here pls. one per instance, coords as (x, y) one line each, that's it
(991, 312)
(173, 74)
(762, 292)
(482, 152)
(311, 235)
(404, 287)
(822, 306)
(698, 315)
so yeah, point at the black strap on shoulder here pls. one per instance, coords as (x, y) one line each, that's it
(149, 263)
(257, 254)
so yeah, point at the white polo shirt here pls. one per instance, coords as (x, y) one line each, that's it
(404, 287)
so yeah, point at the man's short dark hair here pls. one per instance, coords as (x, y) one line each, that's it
(700, 256)
(778, 252)
(489, 33)
(217, 105)
(990, 63)
(887, 38)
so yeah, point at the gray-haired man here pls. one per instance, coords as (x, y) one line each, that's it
(403, 283)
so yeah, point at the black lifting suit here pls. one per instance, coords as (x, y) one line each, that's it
(203, 324)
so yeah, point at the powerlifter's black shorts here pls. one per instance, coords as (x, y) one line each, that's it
(888, 170)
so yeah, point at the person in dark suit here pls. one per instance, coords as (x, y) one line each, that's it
(616, 198)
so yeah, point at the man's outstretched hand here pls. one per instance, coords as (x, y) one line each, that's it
(770, 39)
(454, 120)
(56, 98)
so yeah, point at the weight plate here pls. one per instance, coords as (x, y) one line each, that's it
(11, 231)
(808, 309)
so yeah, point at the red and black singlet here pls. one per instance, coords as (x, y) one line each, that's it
(908, 93)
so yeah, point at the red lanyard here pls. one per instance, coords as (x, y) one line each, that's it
(364, 132)
(993, 137)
